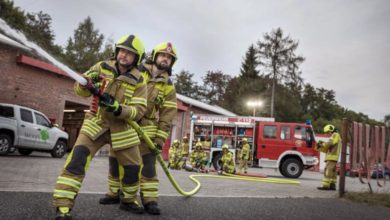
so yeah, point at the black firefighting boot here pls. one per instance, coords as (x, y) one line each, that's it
(152, 208)
(63, 213)
(108, 200)
(332, 186)
(323, 188)
(132, 207)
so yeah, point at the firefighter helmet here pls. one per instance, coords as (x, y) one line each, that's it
(175, 142)
(165, 47)
(225, 146)
(133, 44)
(245, 140)
(329, 128)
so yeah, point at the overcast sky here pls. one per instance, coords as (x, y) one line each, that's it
(346, 43)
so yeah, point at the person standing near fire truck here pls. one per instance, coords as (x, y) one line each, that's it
(227, 159)
(332, 149)
(244, 155)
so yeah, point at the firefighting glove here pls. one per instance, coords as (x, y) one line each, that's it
(93, 82)
(110, 103)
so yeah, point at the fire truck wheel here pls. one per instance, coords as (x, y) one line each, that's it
(280, 170)
(292, 168)
(217, 161)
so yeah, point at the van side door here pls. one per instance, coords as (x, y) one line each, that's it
(28, 132)
(45, 129)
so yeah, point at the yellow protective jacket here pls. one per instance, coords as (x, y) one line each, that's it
(185, 148)
(161, 105)
(332, 147)
(228, 162)
(245, 151)
(198, 156)
(130, 90)
(174, 153)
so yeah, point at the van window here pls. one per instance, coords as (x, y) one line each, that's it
(6, 111)
(269, 131)
(300, 133)
(41, 120)
(26, 115)
(285, 133)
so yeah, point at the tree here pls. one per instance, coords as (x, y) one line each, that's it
(83, 50)
(185, 85)
(39, 30)
(387, 120)
(250, 63)
(277, 56)
(14, 16)
(215, 83)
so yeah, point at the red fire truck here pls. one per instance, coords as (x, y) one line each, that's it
(288, 147)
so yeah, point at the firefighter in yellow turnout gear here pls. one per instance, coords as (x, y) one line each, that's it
(126, 91)
(198, 158)
(227, 159)
(175, 155)
(332, 149)
(156, 123)
(185, 149)
(244, 156)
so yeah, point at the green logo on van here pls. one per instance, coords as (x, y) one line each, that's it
(44, 135)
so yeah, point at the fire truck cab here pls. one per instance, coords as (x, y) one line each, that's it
(288, 147)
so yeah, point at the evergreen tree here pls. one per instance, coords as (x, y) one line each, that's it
(39, 30)
(214, 87)
(250, 63)
(277, 56)
(14, 16)
(185, 85)
(83, 50)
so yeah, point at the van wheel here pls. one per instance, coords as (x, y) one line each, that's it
(24, 152)
(217, 162)
(292, 168)
(5, 144)
(59, 149)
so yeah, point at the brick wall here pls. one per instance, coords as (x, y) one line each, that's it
(32, 87)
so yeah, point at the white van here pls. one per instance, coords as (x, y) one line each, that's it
(29, 130)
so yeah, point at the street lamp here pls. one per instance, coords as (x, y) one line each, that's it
(254, 104)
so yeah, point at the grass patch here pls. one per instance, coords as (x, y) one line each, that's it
(382, 199)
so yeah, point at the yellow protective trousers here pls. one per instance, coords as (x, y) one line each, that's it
(69, 182)
(330, 174)
(243, 165)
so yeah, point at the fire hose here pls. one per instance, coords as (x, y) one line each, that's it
(97, 93)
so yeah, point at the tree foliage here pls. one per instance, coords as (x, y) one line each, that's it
(185, 85)
(214, 87)
(14, 16)
(277, 57)
(84, 49)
